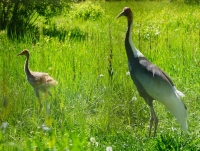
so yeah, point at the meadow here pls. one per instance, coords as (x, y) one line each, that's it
(95, 104)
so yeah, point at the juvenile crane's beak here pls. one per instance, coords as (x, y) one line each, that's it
(24, 52)
(121, 14)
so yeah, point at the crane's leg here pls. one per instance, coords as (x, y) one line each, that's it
(39, 100)
(49, 93)
(46, 93)
(153, 118)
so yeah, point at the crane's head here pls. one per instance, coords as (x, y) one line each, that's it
(126, 12)
(24, 52)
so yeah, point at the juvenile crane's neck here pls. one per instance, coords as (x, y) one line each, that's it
(131, 50)
(26, 69)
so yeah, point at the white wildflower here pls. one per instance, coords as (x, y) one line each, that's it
(45, 128)
(4, 125)
(134, 98)
(93, 141)
(109, 148)
(101, 75)
(127, 73)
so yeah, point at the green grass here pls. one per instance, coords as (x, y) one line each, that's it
(89, 111)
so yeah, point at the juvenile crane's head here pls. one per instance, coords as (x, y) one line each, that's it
(24, 52)
(127, 13)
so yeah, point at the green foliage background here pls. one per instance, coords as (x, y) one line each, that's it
(95, 104)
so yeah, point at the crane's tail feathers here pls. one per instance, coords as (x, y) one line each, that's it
(178, 109)
(180, 94)
(185, 126)
(52, 83)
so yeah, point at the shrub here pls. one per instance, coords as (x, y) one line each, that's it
(88, 11)
(18, 16)
(192, 1)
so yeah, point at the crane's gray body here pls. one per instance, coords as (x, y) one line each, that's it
(152, 83)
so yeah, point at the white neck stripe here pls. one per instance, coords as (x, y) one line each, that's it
(136, 52)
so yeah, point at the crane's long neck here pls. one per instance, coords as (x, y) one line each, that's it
(26, 69)
(131, 50)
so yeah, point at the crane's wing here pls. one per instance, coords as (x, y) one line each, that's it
(154, 80)
(42, 79)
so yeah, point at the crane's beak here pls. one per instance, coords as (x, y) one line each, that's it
(21, 53)
(121, 14)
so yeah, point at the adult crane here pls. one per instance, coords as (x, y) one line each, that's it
(40, 81)
(151, 82)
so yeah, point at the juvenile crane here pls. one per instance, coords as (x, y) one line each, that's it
(151, 82)
(40, 81)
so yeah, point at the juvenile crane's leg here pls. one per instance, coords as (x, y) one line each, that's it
(38, 97)
(46, 93)
(153, 118)
(49, 93)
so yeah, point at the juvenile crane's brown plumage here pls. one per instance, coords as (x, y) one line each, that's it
(40, 81)
(151, 82)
